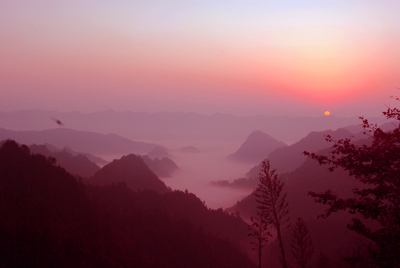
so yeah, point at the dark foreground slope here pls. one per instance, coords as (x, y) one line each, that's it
(48, 219)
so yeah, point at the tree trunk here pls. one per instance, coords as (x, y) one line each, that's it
(284, 264)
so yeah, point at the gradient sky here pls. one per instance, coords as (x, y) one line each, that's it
(241, 57)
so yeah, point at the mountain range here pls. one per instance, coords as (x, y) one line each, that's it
(82, 141)
(163, 167)
(53, 220)
(176, 126)
(78, 165)
(287, 159)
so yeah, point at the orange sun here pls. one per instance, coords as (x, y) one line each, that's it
(327, 113)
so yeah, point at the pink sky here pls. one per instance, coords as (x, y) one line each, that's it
(245, 58)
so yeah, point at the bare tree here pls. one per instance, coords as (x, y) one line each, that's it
(272, 202)
(259, 230)
(302, 247)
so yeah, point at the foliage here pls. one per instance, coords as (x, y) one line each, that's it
(302, 247)
(376, 164)
(272, 202)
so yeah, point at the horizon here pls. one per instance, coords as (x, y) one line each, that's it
(322, 115)
(243, 58)
(187, 133)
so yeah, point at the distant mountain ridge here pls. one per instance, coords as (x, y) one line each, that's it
(163, 167)
(257, 147)
(95, 159)
(177, 126)
(287, 159)
(73, 164)
(83, 141)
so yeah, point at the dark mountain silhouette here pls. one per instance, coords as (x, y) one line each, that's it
(175, 229)
(189, 149)
(132, 170)
(162, 168)
(47, 218)
(287, 159)
(54, 221)
(176, 126)
(257, 147)
(77, 165)
(83, 141)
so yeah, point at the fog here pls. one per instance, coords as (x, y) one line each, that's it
(197, 170)
(215, 137)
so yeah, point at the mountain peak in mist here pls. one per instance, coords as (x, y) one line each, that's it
(75, 164)
(257, 147)
(287, 159)
(163, 167)
(132, 170)
(158, 152)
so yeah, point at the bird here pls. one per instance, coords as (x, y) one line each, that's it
(57, 121)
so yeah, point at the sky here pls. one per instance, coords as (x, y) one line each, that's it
(240, 57)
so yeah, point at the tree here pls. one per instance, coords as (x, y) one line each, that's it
(375, 163)
(259, 230)
(272, 203)
(302, 248)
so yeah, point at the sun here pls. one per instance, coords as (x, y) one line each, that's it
(327, 113)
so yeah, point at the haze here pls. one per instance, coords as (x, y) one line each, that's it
(245, 58)
(153, 119)
(242, 58)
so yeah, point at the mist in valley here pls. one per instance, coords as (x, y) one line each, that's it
(198, 170)
(200, 134)
(207, 181)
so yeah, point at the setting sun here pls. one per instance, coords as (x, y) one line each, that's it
(327, 113)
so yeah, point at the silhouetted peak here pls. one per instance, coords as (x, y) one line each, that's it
(257, 147)
(287, 159)
(131, 169)
(12, 150)
(258, 134)
(130, 159)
